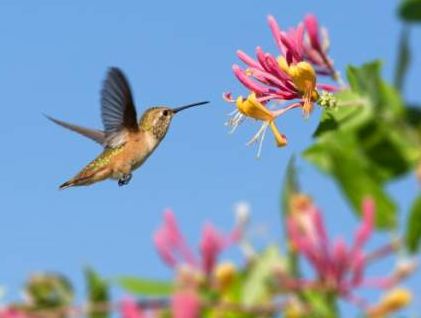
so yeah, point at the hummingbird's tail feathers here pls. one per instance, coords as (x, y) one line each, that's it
(83, 178)
(96, 135)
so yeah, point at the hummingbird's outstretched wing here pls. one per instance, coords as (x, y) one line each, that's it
(118, 111)
(95, 135)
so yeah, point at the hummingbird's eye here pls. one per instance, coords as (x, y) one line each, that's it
(165, 113)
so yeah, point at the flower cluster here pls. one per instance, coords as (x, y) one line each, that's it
(194, 272)
(204, 286)
(175, 252)
(291, 76)
(339, 267)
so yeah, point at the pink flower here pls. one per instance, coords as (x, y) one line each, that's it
(316, 46)
(289, 43)
(290, 77)
(174, 250)
(185, 304)
(339, 268)
(171, 244)
(305, 42)
(211, 245)
(130, 309)
(13, 313)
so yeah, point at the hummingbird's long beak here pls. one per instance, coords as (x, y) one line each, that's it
(176, 110)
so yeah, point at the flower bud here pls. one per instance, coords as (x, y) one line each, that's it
(224, 275)
(393, 301)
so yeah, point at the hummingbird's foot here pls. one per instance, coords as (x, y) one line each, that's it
(125, 179)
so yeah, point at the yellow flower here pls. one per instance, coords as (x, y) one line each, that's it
(397, 299)
(304, 78)
(393, 301)
(294, 310)
(251, 107)
(224, 275)
(281, 140)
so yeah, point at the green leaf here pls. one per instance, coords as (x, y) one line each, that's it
(141, 286)
(413, 115)
(322, 304)
(342, 158)
(367, 82)
(353, 112)
(413, 119)
(98, 293)
(391, 152)
(370, 139)
(413, 232)
(256, 288)
(410, 10)
(404, 59)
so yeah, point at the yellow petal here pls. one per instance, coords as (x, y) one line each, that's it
(308, 104)
(281, 140)
(393, 301)
(251, 107)
(283, 64)
(397, 299)
(224, 275)
(303, 76)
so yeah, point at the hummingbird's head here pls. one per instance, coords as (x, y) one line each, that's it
(158, 119)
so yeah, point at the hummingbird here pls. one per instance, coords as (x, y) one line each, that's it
(127, 142)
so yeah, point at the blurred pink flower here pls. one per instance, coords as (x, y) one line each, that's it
(211, 245)
(130, 309)
(185, 304)
(339, 268)
(12, 313)
(174, 251)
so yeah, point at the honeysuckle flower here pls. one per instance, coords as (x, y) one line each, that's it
(186, 304)
(253, 108)
(224, 275)
(211, 246)
(273, 81)
(175, 252)
(393, 301)
(130, 309)
(316, 47)
(307, 42)
(339, 268)
(13, 313)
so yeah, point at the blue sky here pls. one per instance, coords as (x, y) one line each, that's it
(54, 57)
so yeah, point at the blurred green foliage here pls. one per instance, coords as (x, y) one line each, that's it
(366, 141)
(141, 286)
(410, 10)
(98, 294)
